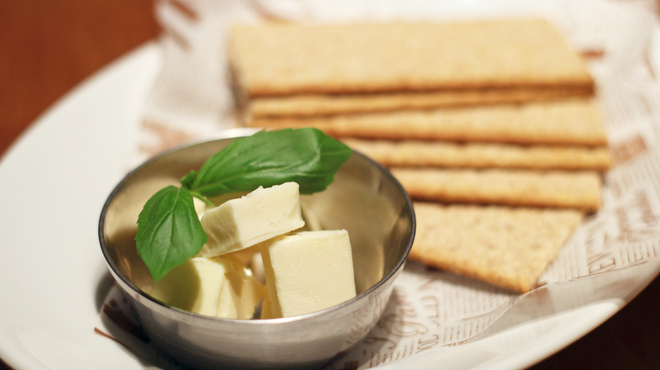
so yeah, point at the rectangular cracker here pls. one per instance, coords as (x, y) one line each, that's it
(506, 247)
(561, 122)
(333, 104)
(284, 59)
(560, 189)
(416, 153)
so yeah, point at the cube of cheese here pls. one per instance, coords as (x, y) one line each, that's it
(308, 271)
(211, 286)
(243, 222)
(194, 285)
(241, 295)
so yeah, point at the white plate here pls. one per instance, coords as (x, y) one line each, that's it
(53, 183)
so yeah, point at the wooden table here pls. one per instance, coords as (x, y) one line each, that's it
(47, 47)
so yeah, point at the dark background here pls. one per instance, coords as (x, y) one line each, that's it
(49, 46)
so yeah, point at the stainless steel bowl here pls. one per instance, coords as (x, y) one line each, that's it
(364, 199)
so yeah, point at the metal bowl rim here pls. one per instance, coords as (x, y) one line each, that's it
(234, 134)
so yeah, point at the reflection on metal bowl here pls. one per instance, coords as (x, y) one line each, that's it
(364, 199)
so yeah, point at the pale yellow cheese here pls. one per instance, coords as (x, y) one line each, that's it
(228, 301)
(211, 286)
(267, 307)
(194, 285)
(241, 295)
(243, 256)
(308, 271)
(252, 293)
(200, 207)
(243, 222)
(250, 258)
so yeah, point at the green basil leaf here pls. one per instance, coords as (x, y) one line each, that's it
(169, 232)
(306, 156)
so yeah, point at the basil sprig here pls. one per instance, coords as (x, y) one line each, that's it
(169, 231)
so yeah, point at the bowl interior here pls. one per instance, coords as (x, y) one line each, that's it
(364, 199)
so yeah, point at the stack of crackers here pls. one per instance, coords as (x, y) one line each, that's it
(491, 126)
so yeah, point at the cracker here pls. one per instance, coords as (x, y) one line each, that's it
(414, 153)
(283, 59)
(329, 104)
(562, 189)
(564, 122)
(507, 247)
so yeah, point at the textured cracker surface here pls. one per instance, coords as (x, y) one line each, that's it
(507, 247)
(562, 189)
(277, 59)
(413, 153)
(564, 122)
(329, 104)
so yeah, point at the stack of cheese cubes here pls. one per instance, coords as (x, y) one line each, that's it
(305, 271)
